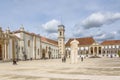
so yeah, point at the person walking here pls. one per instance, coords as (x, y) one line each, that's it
(82, 57)
(14, 62)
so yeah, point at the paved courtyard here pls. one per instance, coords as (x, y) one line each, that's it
(54, 69)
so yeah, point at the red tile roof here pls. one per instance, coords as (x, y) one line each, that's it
(44, 39)
(111, 42)
(82, 41)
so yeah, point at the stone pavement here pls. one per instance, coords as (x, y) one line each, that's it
(54, 69)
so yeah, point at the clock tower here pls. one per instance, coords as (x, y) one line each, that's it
(61, 40)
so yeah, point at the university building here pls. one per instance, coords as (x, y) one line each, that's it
(33, 46)
(88, 47)
(24, 45)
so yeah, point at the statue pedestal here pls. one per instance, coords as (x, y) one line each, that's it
(74, 51)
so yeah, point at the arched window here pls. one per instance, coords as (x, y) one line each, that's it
(28, 43)
(60, 33)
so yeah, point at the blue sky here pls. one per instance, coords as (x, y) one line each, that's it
(82, 18)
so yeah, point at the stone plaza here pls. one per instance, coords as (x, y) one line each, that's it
(54, 69)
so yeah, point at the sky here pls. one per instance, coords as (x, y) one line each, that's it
(99, 19)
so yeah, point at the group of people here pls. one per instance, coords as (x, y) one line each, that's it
(64, 59)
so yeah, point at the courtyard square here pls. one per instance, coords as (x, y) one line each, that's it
(54, 69)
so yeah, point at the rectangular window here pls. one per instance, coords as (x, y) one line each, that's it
(38, 51)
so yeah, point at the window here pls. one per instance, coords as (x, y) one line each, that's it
(109, 46)
(60, 33)
(113, 46)
(106, 47)
(28, 43)
(117, 46)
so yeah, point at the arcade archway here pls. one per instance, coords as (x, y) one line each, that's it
(100, 50)
(43, 53)
(91, 49)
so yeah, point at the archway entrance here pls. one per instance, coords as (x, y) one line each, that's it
(43, 53)
(99, 50)
(0, 52)
(91, 50)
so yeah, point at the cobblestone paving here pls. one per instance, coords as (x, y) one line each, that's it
(54, 69)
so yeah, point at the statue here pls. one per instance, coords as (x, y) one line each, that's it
(74, 51)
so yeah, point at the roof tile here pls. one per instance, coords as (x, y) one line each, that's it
(44, 39)
(82, 41)
(110, 42)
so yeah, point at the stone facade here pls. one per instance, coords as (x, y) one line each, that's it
(23, 45)
(8, 45)
(89, 47)
(29, 44)
(49, 48)
(74, 51)
(35, 46)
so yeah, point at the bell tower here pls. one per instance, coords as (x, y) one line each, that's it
(61, 40)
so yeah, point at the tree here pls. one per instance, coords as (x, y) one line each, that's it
(119, 53)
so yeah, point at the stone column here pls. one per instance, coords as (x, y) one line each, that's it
(13, 49)
(106, 52)
(102, 51)
(74, 51)
(89, 50)
(97, 50)
(5, 52)
(93, 50)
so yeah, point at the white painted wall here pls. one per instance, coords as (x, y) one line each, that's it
(38, 54)
(54, 49)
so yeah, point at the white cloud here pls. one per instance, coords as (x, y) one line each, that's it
(98, 19)
(53, 36)
(105, 36)
(51, 26)
(78, 33)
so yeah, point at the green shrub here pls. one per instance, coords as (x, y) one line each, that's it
(119, 53)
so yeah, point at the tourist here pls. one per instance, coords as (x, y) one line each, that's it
(14, 62)
(82, 57)
(64, 59)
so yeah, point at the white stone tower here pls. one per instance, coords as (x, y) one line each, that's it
(22, 43)
(61, 40)
(74, 51)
